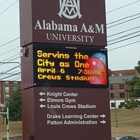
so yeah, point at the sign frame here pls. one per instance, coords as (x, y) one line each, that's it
(70, 50)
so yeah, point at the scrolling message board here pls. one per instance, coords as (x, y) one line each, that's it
(75, 66)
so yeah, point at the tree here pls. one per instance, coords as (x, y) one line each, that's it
(15, 113)
(138, 67)
(133, 87)
(131, 104)
(133, 90)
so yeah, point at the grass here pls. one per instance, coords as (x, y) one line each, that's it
(128, 124)
(15, 129)
(126, 117)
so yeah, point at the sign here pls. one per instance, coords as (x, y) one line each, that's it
(67, 113)
(63, 21)
(74, 66)
(64, 70)
(64, 100)
(76, 112)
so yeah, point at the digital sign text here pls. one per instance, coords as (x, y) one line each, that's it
(70, 67)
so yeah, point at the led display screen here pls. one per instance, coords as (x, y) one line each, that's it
(73, 66)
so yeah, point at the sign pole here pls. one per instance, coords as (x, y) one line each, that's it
(8, 123)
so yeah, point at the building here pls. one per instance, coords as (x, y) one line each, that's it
(117, 86)
(6, 90)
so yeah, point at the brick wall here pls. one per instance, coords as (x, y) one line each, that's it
(11, 90)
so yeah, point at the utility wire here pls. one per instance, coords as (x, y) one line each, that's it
(8, 7)
(15, 73)
(124, 39)
(107, 24)
(123, 22)
(8, 61)
(7, 73)
(9, 51)
(107, 37)
(15, 79)
(3, 2)
(10, 75)
(107, 27)
(9, 57)
(123, 31)
(10, 69)
(123, 36)
(123, 18)
(14, 59)
(123, 46)
(9, 42)
(122, 7)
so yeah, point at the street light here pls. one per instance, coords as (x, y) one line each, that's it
(3, 105)
(125, 80)
(116, 118)
(8, 129)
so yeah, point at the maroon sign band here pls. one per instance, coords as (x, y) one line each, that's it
(66, 113)
(63, 22)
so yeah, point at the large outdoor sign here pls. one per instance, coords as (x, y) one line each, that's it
(64, 70)
(73, 66)
(66, 113)
(63, 21)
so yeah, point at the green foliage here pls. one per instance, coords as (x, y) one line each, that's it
(131, 104)
(133, 87)
(15, 113)
(138, 67)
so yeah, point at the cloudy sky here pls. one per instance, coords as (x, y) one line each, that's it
(123, 17)
(123, 31)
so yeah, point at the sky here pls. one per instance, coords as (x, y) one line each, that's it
(128, 14)
(123, 36)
